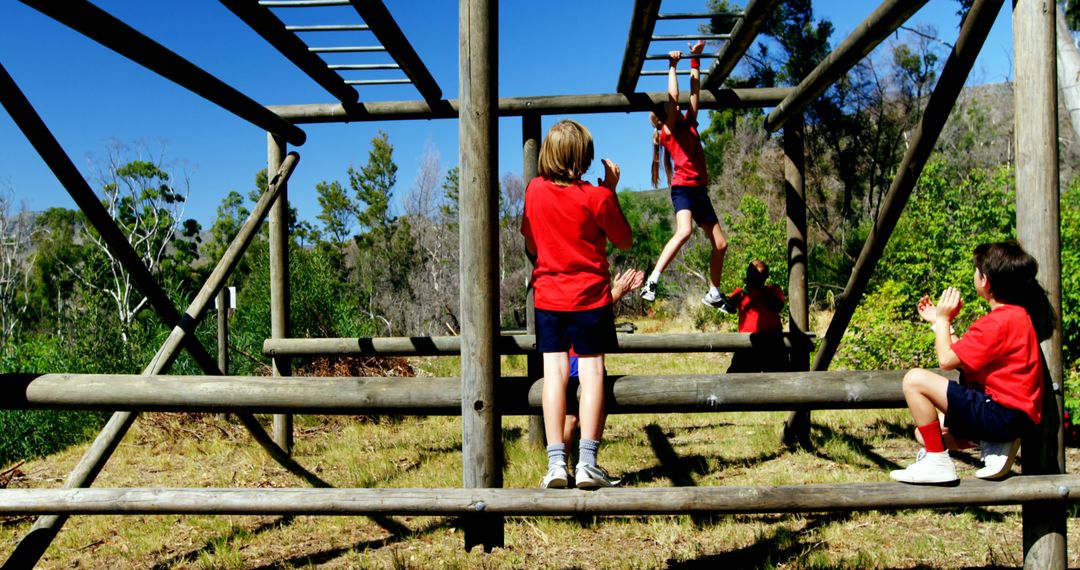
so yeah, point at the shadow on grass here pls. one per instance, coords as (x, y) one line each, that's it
(775, 550)
(193, 556)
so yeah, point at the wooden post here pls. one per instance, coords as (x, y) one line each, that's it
(1038, 224)
(797, 427)
(481, 448)
(530, 144)
(279, 281)
(223, 302)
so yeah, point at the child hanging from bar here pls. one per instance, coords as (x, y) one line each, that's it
(758, 305)
(999, 396)
(678, 135)
(567, 225)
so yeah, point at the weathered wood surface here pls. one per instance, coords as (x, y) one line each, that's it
(844, 389)
(549, 502)
(642, 24)
(743, 36)
(505, 344)
(1038, 223)
(518, 106)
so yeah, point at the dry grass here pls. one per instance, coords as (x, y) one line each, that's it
(730, 449)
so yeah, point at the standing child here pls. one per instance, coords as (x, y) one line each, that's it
(1002, 371)
(566, 225)
(758, 305)
(678, 135)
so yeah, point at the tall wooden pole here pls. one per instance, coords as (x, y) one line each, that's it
(481, 448)
(797, 427)
(530, 145)
(1038, 224)
(279, 281)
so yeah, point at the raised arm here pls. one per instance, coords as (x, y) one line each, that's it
(671, 108)
(695, 81)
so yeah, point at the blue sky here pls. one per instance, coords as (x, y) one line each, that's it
(90, 96)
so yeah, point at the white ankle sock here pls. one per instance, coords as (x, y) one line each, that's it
(655, 277)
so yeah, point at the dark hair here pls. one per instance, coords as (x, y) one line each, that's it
(1012, 273)
(754, 276)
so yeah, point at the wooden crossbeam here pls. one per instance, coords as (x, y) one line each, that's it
(642, 24)
(102, 27)
(841, 389)
(541, 502)
(510, 344)
(742, 37)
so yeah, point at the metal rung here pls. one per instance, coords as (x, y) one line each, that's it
(684, 56)
(302, 3)
(363, 66)
(346, 49)
(692, 37)
(677, 72)
(378, 82)
(707, 16)
(330, 28)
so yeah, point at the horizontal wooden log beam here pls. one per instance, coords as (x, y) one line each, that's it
(520, 106)
(838, 389)
(545, 502)
(507, 344)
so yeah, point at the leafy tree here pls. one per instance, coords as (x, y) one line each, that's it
(452, 186)
(337, 211)
(373, 185)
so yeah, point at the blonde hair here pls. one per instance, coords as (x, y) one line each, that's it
(567, 152)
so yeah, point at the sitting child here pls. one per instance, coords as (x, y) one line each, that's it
(1001, 389)
(758, 306)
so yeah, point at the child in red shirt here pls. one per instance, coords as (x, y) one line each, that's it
(758, 306)
(1002, 371)
(567, 225)
(678, 135)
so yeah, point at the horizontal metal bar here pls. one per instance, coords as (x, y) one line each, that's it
(362, 66)
(302, 3)
(699, 16)
(692, 37)
(690, 393)
(520, 106)
(330, 28)
(684, 56)
(347, 49)
(455, 501)
(665, 72)
(405, 81)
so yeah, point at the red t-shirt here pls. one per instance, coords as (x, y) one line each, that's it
(756, 312)
(570, 226)
(687, 156)
(1001, 353)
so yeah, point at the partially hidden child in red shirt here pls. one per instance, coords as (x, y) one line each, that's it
(567, 225)
(678, 135)
(758, 305)
(1000, 393)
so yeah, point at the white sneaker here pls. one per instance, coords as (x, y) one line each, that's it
(998, 458)
(648, 291)
(929, 468)
(593, 477)
(556, 477)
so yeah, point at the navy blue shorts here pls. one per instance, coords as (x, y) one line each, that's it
(695, 199)
(974, 415)
(589, 332)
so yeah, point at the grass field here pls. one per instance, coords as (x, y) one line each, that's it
(730, 449)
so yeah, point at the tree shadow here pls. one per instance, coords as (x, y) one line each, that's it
(326, 556)
(193, 555)
(772, 551)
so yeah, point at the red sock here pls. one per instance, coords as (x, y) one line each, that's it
(931, 436)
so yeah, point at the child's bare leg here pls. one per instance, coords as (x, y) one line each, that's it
(925, 393)
(684, 226)
(568, 431)
(719, 250)
(591, 404)
(556, 376)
